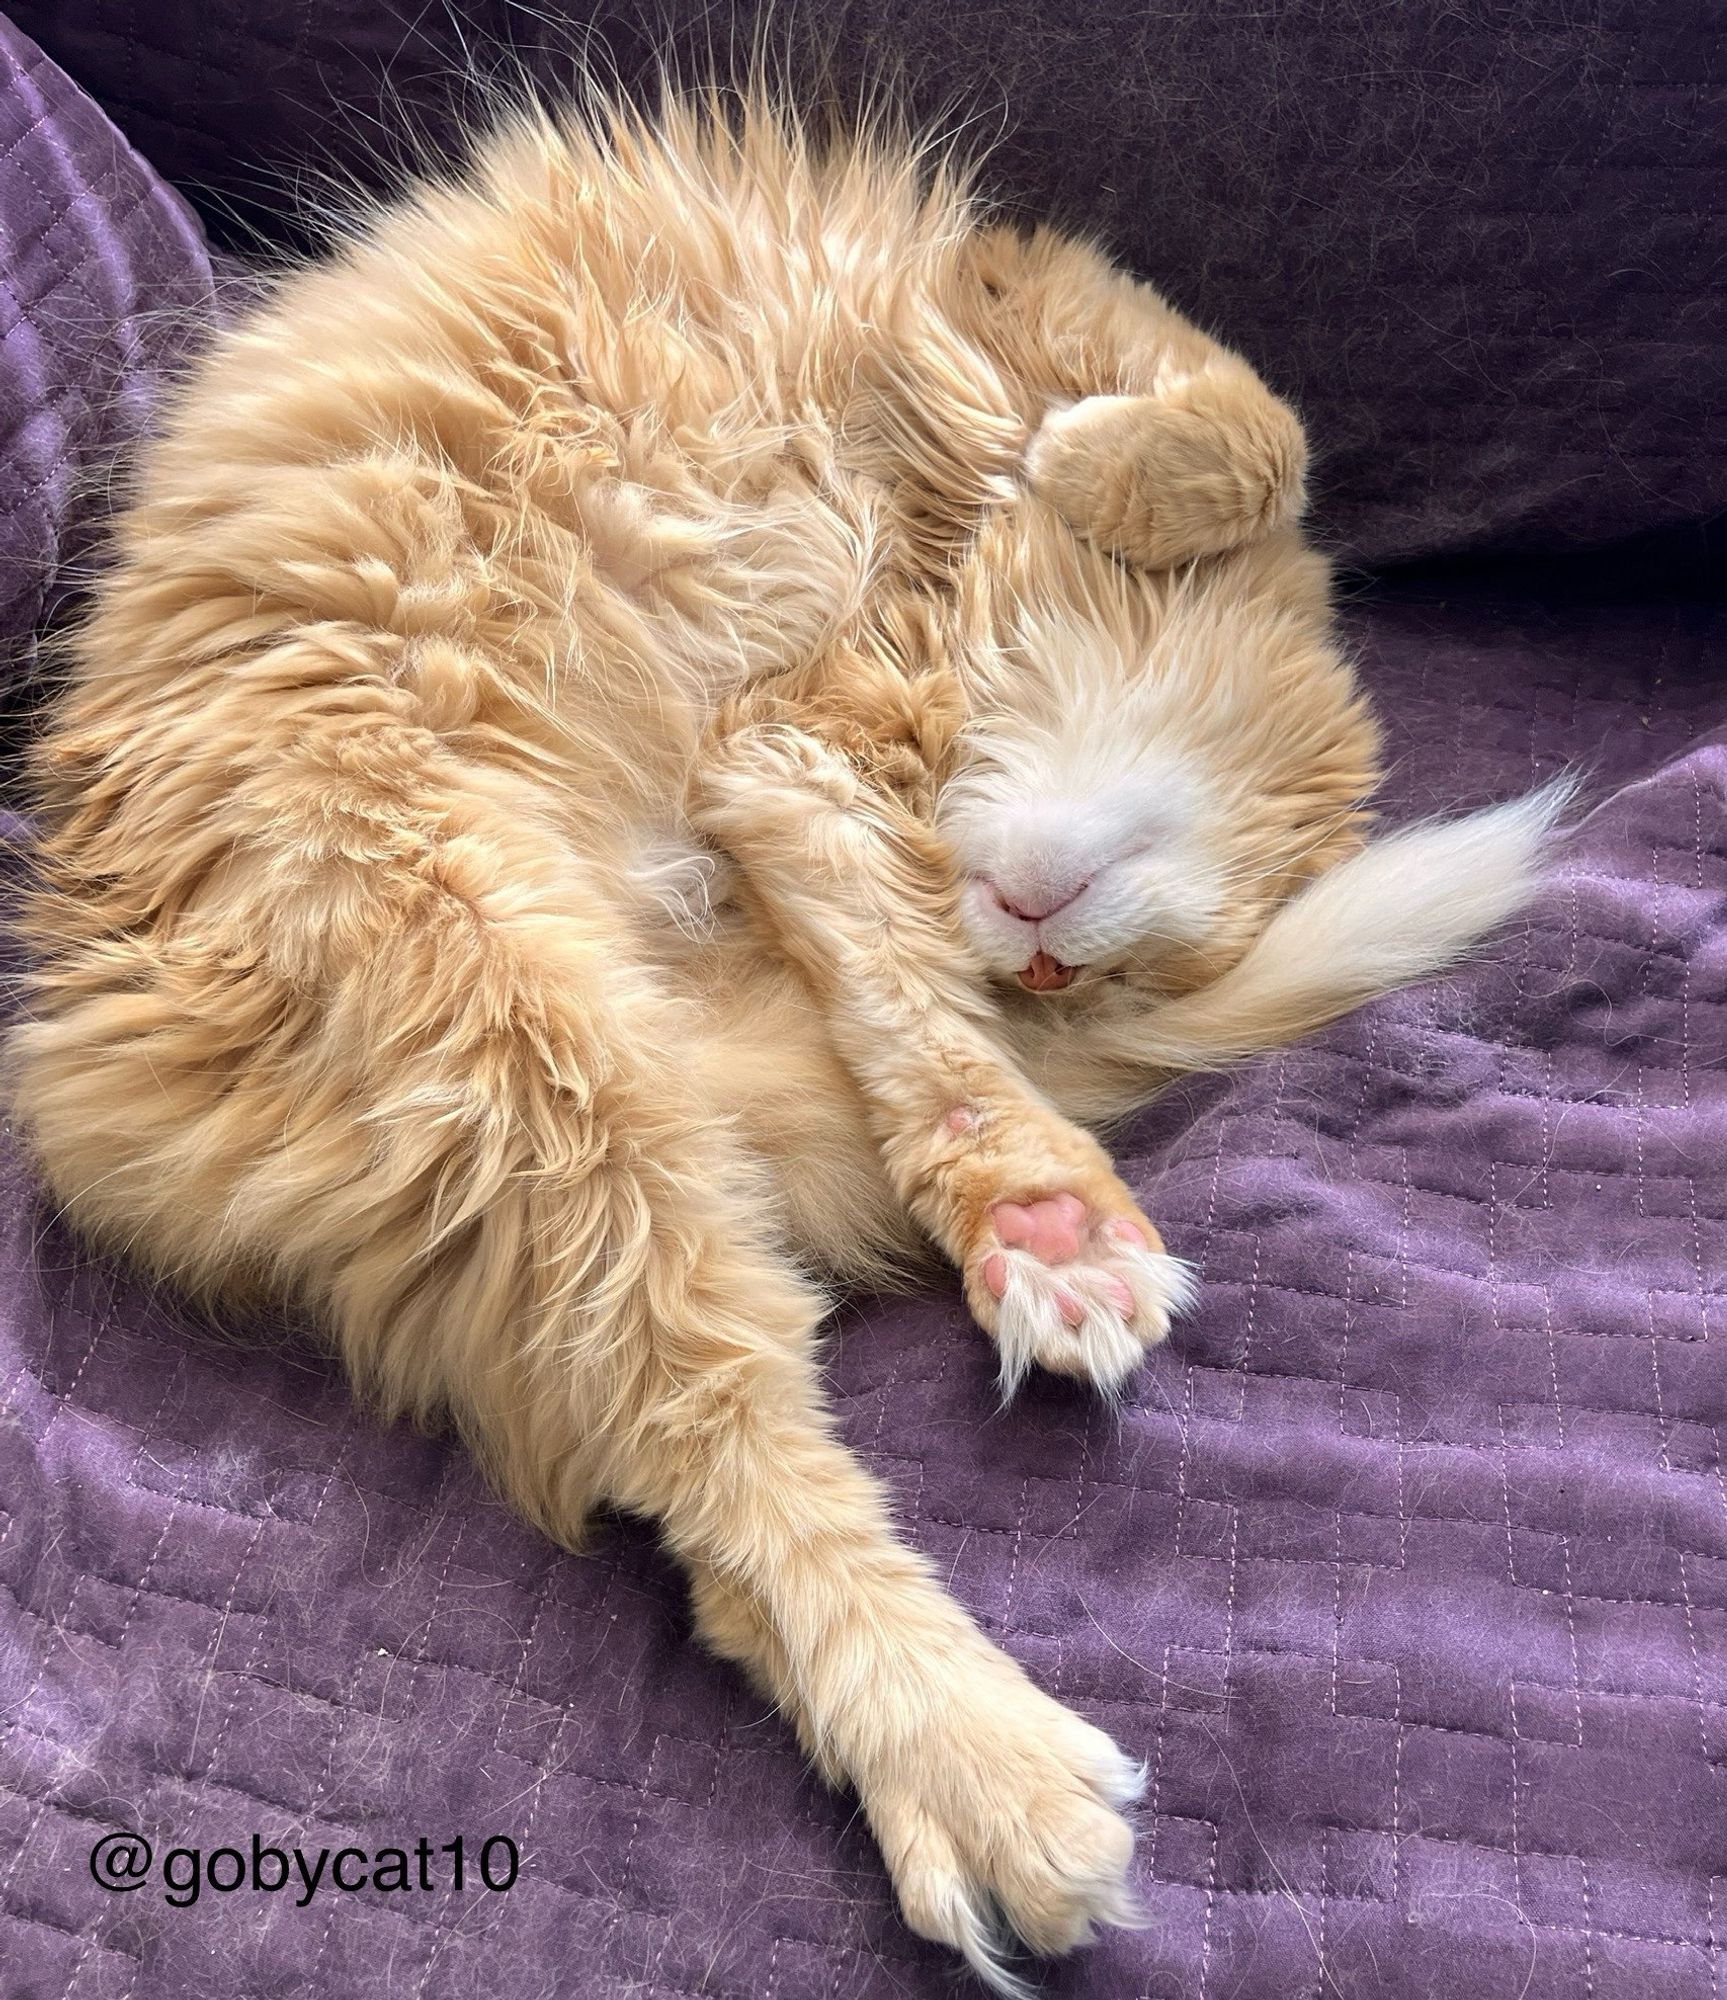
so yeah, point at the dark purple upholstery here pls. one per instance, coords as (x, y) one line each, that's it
(1482, 245)
(1405, 1569)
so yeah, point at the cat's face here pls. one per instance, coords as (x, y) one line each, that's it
(1153, 760)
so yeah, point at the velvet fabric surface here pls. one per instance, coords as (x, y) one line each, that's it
(1404, 1567)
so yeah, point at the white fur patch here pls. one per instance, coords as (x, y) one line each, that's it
(1094, 873)
(683, 882)
(1094, 824)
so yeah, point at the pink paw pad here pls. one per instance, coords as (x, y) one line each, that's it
(1051, 1229)
(1119, 1296)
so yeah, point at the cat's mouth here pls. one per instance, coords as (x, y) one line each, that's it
(1045, 974)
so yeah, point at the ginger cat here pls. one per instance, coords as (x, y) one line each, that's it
(667, 720)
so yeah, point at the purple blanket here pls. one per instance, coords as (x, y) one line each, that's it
(1405, 1569)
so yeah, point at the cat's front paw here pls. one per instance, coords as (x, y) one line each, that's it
(1207, 464)
(1079, 1287)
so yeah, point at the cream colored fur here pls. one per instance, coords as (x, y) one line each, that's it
(602, 686)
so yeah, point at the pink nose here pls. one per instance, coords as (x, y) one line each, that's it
(1033, 909)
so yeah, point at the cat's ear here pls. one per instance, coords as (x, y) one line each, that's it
(1209, 463)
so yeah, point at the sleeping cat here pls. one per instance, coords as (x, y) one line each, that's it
(668, 720)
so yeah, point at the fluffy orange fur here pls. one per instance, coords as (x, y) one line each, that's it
(496, 884)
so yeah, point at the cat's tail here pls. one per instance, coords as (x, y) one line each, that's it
(1406, 905)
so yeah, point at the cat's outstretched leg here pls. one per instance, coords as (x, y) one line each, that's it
(996, 1808)
(1059, 1264)
(1159, 444)
(684, 1389)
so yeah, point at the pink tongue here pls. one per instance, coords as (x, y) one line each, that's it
(1046, 974)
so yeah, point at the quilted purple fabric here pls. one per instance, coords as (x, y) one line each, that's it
(1405, 1569)
(104, 270)
(1481, 244)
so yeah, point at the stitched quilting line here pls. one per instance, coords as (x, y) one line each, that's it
(138, 1595)
(70, 127)
(1643, 1293)
(930, 1519)
(626, 1873)
(1358, 1672)
(66, 275)
(1685, 1068)
(542, 1597)
(1703, 1947)
(303, 1815)
(1516, 1794)
(89, 1939)
(47, 1653)
(1716, 1955)
(248, 1671)
(666, 1737)
(1103, 1482)
(1588, 1933)
(1348, 1313)
(1211, 1893)
(50, 104)
(1571, 1639)
(1467, 1200)
(1013, 1562)
(1638, 1114)
(137, 1599)
(1159, 1731)
(338, 1736)
(1400, 1731)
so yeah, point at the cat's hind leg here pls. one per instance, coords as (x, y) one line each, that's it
(651, 1346)
(700, 1408)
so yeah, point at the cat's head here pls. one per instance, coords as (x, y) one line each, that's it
(1153, 760)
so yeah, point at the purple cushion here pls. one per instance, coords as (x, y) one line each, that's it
(1482, 247)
